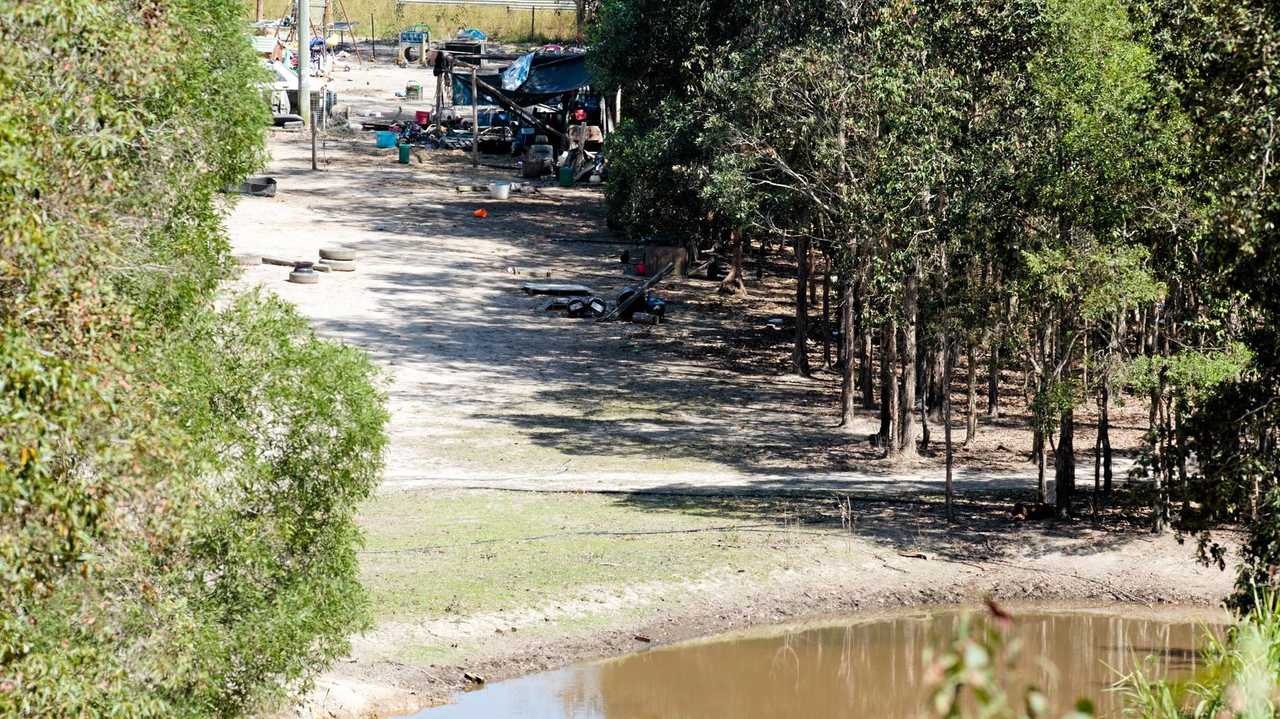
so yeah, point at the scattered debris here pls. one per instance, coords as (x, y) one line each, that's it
(345, 254)
(255, 186)
(640, 293)
(642, 638)
(481, 213)
(556, 288)
(651, 305)
(528, 273)
(303, 274)
(589, 307)
(1023, 511)
(515, 187)
(556, 304)
(473, 678)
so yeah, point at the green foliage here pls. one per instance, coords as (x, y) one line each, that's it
(1193, 374)
(168, 547)
(1093, 279)
(966, 678)
(290, 428)
(1237, 679)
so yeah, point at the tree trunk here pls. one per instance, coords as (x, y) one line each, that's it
(760, 258)
(801, 355)
(866, 381)
(847, 338)
(924, 427)
(1064, 463)
(1159, 500)
(812, 270)
(993, 378)
(889, 389)
(732, 283)
(934, 385)
(1104, 435)
(911, 310)
(257, 15)
(1037, 449)
(946, 419)
(1097, 472)
(971, 411)
(1038, 439)
(1160, 504)
(826, 312)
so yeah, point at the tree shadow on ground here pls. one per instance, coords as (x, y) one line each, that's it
(983, 529)
(712, 387)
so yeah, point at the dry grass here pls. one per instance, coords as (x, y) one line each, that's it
(500, 23)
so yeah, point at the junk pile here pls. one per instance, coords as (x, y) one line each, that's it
(634, 304)
(307, 272)
(537, 107)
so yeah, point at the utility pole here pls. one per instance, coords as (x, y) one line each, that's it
(304, 60)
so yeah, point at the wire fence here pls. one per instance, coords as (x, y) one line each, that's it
(562, 5)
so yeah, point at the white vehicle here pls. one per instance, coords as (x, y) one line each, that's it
(282, 88)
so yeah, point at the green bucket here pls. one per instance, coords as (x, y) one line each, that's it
(566, 176)
(404, 153)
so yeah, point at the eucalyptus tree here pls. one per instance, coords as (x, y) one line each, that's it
(1086, 181)
(1222, 60)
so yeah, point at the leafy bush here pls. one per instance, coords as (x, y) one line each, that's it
(176, 483)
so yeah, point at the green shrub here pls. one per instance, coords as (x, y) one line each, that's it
(176, 483)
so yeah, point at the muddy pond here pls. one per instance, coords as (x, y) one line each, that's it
(872, 666)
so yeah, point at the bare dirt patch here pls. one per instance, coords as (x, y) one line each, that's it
(499, 584)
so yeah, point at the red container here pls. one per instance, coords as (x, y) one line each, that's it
(422, 117)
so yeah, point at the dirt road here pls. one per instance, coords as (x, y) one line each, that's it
(489, 391)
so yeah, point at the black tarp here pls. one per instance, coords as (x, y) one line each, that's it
(550, 76)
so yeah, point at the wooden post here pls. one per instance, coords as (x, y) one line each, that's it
(258, 13)
(314, 124)
(475, 121)
(373, 39)
(533, 22)
(439, 96)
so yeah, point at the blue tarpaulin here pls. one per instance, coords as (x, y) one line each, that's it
(550, 76)
(517, 74)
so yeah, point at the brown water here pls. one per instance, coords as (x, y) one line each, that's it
(867, 668)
